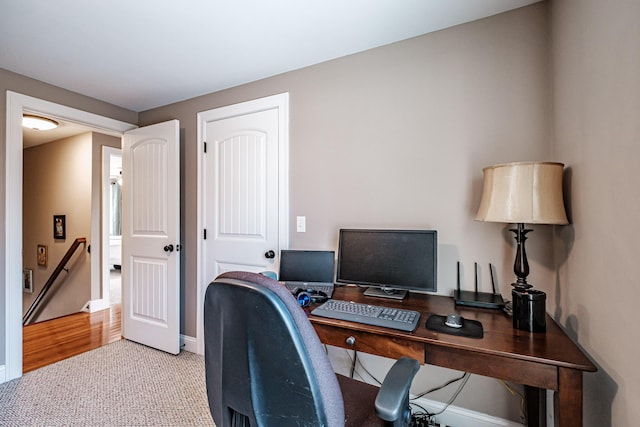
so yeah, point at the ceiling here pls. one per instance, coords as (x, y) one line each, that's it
(148, 53)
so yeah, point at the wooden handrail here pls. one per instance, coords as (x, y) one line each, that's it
(52, 278)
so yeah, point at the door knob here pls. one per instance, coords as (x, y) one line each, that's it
(168, 248)
(270, 254)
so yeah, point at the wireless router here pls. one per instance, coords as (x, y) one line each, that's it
(478, 299)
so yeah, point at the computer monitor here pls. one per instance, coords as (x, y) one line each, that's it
(306, 266)
(390, 262)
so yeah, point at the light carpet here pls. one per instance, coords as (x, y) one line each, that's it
(121, 384)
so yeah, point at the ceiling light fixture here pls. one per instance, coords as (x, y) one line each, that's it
(38, 123)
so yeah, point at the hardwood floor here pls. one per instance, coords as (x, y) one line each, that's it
(48, 342)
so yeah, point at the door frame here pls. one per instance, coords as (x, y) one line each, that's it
(17, 104)
(281, 102)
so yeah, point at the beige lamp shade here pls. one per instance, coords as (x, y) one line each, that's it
(526, 192)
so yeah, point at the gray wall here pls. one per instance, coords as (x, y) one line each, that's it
(596, 99)
(397, 137)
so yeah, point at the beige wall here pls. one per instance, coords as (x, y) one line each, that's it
(596, 98)
(65, 176)
(397, 137)
(57, 181)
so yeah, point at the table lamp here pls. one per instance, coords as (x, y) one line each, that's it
(519, 193)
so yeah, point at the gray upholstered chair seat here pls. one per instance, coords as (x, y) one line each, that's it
(265, 365)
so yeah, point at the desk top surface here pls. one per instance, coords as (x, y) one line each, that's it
(552, 347)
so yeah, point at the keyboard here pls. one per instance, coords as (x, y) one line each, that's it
(293, 287)
(376, 315)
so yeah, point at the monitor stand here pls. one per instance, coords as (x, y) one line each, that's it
(386, 293)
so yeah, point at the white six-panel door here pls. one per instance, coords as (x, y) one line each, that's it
(151, 236)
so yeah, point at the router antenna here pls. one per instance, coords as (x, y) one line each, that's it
(493, 282)
(475, 266)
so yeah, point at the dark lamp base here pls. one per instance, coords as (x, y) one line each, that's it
(529, 311)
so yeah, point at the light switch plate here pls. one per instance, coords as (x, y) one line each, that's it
(301, 224)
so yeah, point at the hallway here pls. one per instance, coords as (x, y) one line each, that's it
(48, 342)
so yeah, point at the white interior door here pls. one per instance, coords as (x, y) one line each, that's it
(151, 236)
(242, 200)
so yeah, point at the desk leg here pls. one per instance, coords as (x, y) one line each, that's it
(536, 406)
(569, 398)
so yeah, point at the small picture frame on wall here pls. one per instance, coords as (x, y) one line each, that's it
(27, 281)
(42, 255)
(59, 227)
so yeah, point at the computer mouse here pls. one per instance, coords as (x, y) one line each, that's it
(454, 320)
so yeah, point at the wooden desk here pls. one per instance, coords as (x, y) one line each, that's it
(541, 360)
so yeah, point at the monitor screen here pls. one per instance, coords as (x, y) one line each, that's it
(397, 259)
(306, 266)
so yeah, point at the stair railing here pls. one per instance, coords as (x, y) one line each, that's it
(65, 259)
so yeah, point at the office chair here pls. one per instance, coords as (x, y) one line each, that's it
(265, 365)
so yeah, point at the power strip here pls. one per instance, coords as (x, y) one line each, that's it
(422, 420)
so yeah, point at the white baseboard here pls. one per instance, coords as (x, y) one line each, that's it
(3, 374)
(95, 305)
(189, 343)
(461, 417)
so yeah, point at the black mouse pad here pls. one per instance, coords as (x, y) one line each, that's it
(470, 328)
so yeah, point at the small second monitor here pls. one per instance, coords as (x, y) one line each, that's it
(306, 266)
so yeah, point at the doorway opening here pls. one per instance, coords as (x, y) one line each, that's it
(111, 225)
(68, 173)
(17, 104)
